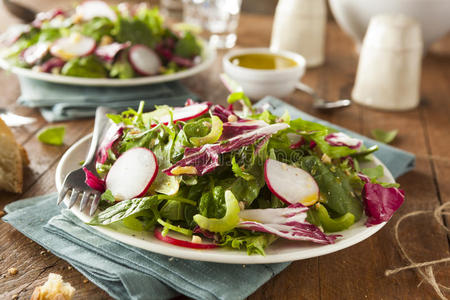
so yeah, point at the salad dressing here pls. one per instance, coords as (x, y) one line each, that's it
(263, 61)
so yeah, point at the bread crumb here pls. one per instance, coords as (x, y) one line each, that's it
(2, 213)
(12, 271)
(15, 296)
(85, 281)
(69, 267)
(42, 252)
(53, 289)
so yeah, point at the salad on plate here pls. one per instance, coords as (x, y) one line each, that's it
(203, 176)
(98, 40)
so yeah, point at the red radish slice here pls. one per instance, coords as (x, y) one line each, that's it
(290, 184)
(181, 243)
(132, 174)
(108, 52)
(34, 53)
(75, 45)
(13, 33)
(144, 60)
(185, 113)
(91, 9)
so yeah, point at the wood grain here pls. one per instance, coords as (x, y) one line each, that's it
(353, 273)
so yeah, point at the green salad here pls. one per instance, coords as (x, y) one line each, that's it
(100, 41)
(202, 176)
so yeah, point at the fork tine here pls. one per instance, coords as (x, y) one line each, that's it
(84, 200)
(94, 204)
(73, 197)
(62, 194)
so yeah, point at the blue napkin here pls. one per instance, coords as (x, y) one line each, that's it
(60, 102)
(126, 272)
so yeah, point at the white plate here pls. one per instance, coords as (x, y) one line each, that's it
(208, 57)
(280, 251)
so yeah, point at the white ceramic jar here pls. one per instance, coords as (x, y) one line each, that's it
(299, 26)
(388, 75)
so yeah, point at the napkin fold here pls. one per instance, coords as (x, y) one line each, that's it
(61, 102)
(126, 272)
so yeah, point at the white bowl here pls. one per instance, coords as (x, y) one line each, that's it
(258, 83)
(353, 16)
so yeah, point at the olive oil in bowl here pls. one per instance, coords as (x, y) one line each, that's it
(263, 61)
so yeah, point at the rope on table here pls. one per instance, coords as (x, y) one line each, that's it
(427, 274)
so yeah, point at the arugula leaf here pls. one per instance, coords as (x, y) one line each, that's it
(187, 47)
(236, 96)
(238, 172)
(384, 136)
(52, 135)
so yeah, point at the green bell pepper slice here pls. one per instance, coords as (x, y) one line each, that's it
(213, 136)
(319, 216)
(229, 220)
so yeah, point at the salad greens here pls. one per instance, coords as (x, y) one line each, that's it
(97, 40)
(212, 179)
(52, 135)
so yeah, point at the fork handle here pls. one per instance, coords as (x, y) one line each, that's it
(101, 123)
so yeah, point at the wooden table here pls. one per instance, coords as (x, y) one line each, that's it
(353, 273)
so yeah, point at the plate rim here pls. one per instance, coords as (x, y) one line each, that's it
(236, 257)
(209, 56)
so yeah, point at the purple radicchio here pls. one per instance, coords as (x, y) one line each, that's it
(232, 129)
(341, 139)
(108, 52)
(223, 113)
(54, 62)
(93, 181)
(289, 223)
(380, 202)
(206, 158)
(112, 135)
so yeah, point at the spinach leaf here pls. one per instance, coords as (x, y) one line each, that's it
(135, 31)
(334, 185)
(88, 66)
(374, 173)
(384, 136)
(187, 47)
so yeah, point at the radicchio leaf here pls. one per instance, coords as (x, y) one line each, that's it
(232, 129)
(289, 223)
(54, 62)
(182, 62)
(93, 181)
(206, 158)
(341, 139)
(112, 135)
(381, 202)
(223, 113)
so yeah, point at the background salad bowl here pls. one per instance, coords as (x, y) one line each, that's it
(280, 251)
(353, 16)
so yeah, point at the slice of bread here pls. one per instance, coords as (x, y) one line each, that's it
(12, 158)
(53, 289)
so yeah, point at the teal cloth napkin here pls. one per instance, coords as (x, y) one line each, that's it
(126, 272)
(61, 102)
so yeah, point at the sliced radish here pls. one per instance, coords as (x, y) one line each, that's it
(108, 52)
(13, 33)
(93, 8)
(290, 184)
(132, 174)
(296, 140)
(75, 45)
(184, 113)
(181, 243)
(34, 53)
(144, 60)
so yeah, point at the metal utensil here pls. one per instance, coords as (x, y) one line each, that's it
(319, 102)
(75, 180)
(13, 120)
(22, 12)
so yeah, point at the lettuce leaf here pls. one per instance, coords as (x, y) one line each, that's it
(188, 46)
(88, 66)
(253, 242)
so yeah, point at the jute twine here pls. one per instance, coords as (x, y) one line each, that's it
(425, 269)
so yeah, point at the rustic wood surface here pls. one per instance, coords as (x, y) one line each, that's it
(353, 273)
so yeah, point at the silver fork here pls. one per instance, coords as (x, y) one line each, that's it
(75, 180)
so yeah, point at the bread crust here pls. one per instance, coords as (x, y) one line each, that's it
(12, 159)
